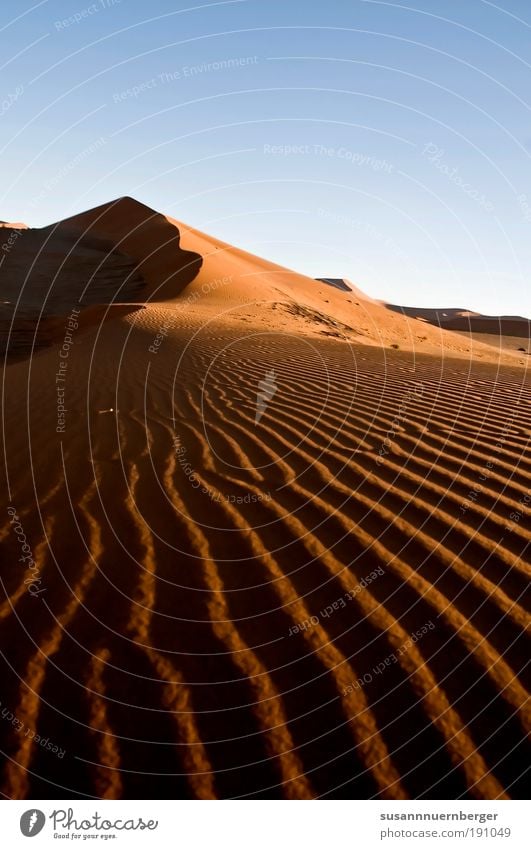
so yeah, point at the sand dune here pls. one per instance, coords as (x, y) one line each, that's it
(463, 319)
(507, 333)
(324, 600)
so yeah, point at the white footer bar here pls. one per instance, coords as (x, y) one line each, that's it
(265, 824)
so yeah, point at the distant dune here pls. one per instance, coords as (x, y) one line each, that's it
(266, 537)
(10, 226)
(497, 328)
(337, 283)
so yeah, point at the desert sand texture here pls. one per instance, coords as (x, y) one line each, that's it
(265, 537)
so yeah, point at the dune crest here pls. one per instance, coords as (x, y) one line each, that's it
(148, 237)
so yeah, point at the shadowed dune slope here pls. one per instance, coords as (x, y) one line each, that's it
(47, 273)
(119, 253)
(148, 237)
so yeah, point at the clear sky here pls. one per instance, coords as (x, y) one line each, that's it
(380, 141)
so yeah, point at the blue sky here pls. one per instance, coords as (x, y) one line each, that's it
(385, 142)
